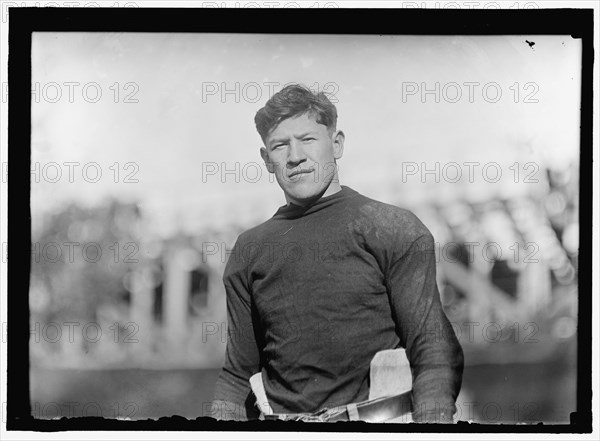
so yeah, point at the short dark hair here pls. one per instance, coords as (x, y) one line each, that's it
(295, 100)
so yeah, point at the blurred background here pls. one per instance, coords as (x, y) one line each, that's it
(146, 168)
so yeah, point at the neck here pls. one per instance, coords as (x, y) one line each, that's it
(333, 188)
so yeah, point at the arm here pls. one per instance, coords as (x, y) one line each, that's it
(233, 398)
(432, 348)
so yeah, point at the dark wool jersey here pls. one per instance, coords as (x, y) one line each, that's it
(314, 292)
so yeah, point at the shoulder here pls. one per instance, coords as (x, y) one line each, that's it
(391, 232)
(392, 219)
(256, 233)
(245, 248)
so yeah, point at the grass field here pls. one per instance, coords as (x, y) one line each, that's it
(490, 393)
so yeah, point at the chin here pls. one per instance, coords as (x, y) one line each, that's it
(305, 192)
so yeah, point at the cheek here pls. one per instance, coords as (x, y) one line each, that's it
(276, 164)
(326, 157)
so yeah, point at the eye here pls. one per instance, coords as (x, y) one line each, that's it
(308, 139)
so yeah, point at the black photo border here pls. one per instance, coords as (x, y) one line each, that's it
(23, 21)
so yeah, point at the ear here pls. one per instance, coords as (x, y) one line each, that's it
(338, 144)
(265, 156)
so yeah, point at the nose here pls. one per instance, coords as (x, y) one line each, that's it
(296, 155)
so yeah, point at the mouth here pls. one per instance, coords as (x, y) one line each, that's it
(300, 172)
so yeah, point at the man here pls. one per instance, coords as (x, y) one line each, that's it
(331, 279)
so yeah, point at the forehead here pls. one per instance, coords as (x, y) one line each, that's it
(295, 126)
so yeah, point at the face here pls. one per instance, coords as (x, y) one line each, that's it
(302, 154)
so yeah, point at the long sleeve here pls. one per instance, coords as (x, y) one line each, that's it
(435, 355)
(233, 398)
